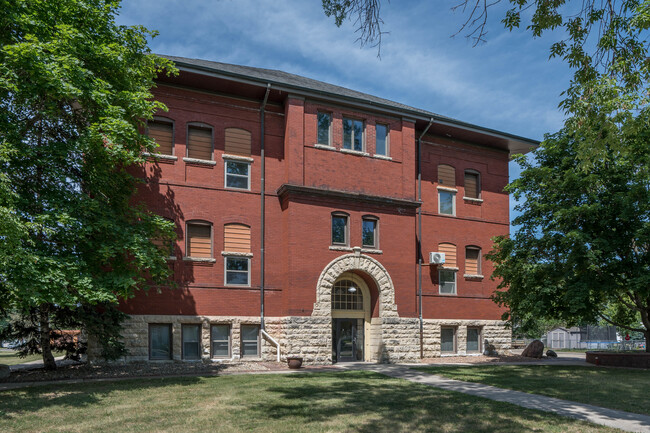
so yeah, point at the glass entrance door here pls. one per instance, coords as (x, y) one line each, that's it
(345, 337)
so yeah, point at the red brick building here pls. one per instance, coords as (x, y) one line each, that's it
(299, 207)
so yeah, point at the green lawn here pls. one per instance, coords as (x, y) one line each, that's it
(351, 401)
(616, 388)
(9, 357)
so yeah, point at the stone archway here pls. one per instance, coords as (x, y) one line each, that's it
(355, 262)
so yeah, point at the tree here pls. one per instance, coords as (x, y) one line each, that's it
(74, 91)
(582, 249)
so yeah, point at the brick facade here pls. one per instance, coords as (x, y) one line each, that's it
(305, 183)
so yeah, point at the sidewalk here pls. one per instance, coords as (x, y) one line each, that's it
(608, 417)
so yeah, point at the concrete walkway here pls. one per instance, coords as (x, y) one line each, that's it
(598, 415)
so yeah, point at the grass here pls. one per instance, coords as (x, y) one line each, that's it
(615, 388)
(10, 357)
(352, 401)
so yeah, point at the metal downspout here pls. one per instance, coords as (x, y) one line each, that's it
(263, 190)
(420, 237)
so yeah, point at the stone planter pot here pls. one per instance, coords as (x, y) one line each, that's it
(294, 362)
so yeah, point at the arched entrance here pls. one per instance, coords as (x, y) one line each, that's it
(361, 270)
(350, 318)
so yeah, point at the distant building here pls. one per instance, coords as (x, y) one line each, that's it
(301, 220)
(581, 337)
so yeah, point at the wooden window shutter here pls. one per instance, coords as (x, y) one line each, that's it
(472, 258)
(236, 238)
(238, 142)
(199, 142)
(199, 240)
(447, 175)
(450, 254)
(471, 185)
(163, 134)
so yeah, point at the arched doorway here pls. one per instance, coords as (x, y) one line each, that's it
(350, 318)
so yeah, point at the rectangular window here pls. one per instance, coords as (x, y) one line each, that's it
(447, 282)
(448, 340)
(250, 341)
(199, 142)
(237, 271)
(163, 133)
(199, 240)
(220, 341)
(339, 230)
(324, 128)
(191, 336)
(160, 341)
(473, 339)
(369, 235)
(446, 203)
(353, 134)
(381, 132)
(472, 186)
(237, 175)
(472, 261)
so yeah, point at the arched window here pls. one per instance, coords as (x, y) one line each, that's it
(472, 260)
(162, 131)
(199, 239)
(446, 176)
(199, 141)
(472, 184)
(447, 274)
(238, 142)
(346, 295)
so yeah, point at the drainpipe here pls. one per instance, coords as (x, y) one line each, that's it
(420, 237)
(263, 190)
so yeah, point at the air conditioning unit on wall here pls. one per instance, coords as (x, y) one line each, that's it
(436, 258)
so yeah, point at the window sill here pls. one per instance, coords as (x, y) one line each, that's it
(384, 157)
(160, 156)
(446, 188)
(340, 248)
(171, 258)
(447, 294)
(355, 152)
(473, 200)
(448, 268)
(236, 254)
(200, 161)
(448, 354)
(199, 259)
(473, 277)
(237, 158)
(324, 146)
(371, 251)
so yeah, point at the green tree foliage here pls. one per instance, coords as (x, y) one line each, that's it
(74, 90)
(582, 249)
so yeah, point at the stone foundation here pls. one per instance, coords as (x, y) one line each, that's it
(391, 339)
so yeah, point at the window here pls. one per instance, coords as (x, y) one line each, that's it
(324, 128)
(199, 240)
(472, 185)
(250, 339)
(448, 340)
(339, 229)
(237, 271)
(237, 142)
(346, 296)
(160, 341)
(236, 238)
(447, 282)
(162, 131)
(353, 134)
(446, 176)
(472, 261)
(473, 339)
(191, 336)
(369, 232)
(220, 341)
(381, 144)
(237, 174)
(447, 203)
(199, 142)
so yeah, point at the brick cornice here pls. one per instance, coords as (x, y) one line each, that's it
(288, 190)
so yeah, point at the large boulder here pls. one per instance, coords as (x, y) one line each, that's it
(4, 371)
(534, 350)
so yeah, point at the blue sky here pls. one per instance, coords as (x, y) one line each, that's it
(508, 83)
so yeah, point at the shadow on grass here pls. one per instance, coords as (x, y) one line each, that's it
(374, 402)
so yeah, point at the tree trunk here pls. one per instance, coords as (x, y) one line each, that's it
(46, 347)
